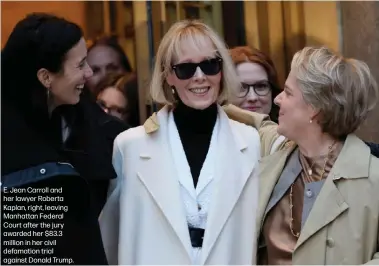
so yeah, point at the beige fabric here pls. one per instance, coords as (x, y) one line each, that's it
(266, 128)
(278, 238)
(342, 227)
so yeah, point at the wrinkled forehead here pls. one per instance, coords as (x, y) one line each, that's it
(192, 47)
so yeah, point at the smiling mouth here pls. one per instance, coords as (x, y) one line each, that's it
(252, 108)
(80, 87)
(200, 91)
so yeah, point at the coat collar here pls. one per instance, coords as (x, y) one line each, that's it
(152, 125)
(330, 194)
(155, 154)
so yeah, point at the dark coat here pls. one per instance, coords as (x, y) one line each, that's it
(82, 169)
(89, 148)
(374, 147)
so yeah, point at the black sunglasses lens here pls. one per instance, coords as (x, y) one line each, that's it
(185, 70)
(211, 67)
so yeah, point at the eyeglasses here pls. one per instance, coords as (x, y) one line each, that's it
(209, 67)
(261, 88)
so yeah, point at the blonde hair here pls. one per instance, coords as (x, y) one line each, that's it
(342, 89)
(197, 33)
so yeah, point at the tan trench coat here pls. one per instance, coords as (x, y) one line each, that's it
(342, 227)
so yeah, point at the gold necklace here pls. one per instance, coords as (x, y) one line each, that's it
(291, 190)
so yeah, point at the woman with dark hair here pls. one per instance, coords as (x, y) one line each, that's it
(259, 80)
(54, 137)
(105, 55)
(117, 95)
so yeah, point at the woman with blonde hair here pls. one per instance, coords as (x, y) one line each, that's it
(187, 186)
(319, 201)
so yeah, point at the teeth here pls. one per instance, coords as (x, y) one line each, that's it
(200, 90)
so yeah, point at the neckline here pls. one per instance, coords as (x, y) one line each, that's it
(193, 120)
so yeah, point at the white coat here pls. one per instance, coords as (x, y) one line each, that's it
(144, 221)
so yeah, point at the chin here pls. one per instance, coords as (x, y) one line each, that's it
(74, 101)
(201, 106)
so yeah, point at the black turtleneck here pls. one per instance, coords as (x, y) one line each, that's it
(195, 129)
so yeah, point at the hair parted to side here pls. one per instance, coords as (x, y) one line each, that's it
(342, 89)
(196, 33)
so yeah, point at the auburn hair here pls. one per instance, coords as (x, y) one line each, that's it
(243, 54)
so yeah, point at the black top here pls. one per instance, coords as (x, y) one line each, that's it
(195, 129)
(23, 150)
(88, 147)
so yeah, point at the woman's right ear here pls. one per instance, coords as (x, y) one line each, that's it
(43, 76)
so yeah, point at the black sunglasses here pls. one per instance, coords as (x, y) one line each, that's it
(261, 88)
(209, 67)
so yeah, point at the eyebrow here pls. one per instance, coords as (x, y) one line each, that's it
(286, 87)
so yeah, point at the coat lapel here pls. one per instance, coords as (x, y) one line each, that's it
(288, 176)
(321, 215)
(230, 179)
(271, 168)
(330, 195)
(163, 184)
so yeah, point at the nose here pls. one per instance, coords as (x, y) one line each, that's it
(88, 72)
(252, 96)
(277, 99)
(199, 75)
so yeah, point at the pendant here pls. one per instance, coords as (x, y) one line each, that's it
(310, 172)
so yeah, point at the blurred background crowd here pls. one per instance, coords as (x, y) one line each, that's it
(123, 36)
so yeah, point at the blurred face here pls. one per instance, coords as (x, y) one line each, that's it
(67, 85)
(294, 114)
(113, 102)
(255, 93)
(196, 75)
(103, 60)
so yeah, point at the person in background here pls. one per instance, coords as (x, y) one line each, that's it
(105, 55)
(187, 189)
(323, 181)
(53, 136)
(115, 95)
(259, 81)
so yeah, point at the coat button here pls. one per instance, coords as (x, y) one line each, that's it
(330, 242)
(42, 171)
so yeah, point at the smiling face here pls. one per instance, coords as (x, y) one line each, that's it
(199, 90)
(255, 75)
(67, 85)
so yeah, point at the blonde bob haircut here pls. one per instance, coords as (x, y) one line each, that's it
(197, 34)
(342, 90)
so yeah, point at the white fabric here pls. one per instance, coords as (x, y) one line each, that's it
(144, 222)
(65, 130)
(201, 196)
(276, 144)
